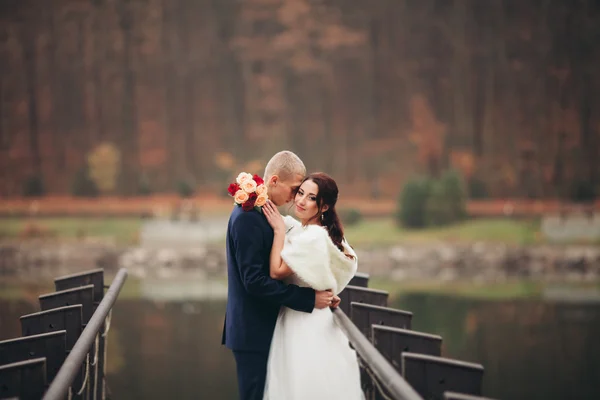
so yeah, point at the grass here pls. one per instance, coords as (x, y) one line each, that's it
(370, 232)
(15, 289)
(515, 289)
(131, 289)
(385, 232)
(122, 230)
(518, 289)
(374, 232)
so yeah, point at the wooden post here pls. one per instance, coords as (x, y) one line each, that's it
(432, 376)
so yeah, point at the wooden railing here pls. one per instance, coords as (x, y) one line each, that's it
(61, 354)
(397, 362)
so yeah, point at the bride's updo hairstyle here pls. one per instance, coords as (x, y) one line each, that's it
(328, 195)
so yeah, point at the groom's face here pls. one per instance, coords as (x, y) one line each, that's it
(283, 191)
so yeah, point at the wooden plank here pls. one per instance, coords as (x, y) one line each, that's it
(25, 380)
(63, 318)
(362, 295)
(83, 295)
(392, 342)
(364, 315)
(462, 396)
(52, 346)
(360, 279)
(432, 376)
(93, 277)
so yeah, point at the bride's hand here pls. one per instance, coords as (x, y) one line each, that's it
(335, 302)
(274, 217)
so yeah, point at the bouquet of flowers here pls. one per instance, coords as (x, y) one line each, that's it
(249, 191)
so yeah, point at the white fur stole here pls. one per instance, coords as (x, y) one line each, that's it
(310, 253)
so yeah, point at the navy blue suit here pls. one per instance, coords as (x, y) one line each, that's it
(254, 299)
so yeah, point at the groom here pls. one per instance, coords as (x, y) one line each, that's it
(253, 298)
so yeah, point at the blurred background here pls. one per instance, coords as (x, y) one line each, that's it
(464, 136)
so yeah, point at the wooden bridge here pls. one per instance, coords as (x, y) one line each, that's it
(397, 362)
(62, 351)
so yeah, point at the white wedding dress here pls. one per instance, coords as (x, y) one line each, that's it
(310, 357)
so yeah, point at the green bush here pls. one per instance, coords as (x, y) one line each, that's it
(437, 208)
(447, 200)
(185, 189)
(82, 185)
(33, 187)
(411, 204)
(350, 217)
(454, 188)
(427, 202)
(583, 192)
(144, 186)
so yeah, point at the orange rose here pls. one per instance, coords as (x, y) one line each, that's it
(248, 185)
(240, 197)
(260, 189)
(261, 200)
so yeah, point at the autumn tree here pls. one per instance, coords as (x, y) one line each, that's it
(427, 134)
(104, 165)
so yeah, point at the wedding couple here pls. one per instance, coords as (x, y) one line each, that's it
(284, 275)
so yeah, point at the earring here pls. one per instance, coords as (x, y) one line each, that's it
(322, 217)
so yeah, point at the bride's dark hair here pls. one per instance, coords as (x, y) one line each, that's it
(328, 195)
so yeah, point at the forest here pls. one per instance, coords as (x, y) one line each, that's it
(373, 92)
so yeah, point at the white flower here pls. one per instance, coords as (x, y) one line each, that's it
(249, 185)
(243, 177)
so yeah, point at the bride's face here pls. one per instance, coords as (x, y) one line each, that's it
(306, 201)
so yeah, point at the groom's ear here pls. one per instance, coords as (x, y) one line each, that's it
(273, 180)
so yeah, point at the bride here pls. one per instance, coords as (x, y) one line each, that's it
(310, 357)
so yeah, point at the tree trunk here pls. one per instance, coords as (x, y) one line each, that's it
(99, 57)
(31, 81)
(461, 77)
(587, 70)
(188, 87)
(129, 154)
(588, 144)
(4, 132)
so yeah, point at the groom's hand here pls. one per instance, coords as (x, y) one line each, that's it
(323, 298)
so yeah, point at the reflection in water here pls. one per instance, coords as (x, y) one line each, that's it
(531, 350)
(157, 350)
(170, 351)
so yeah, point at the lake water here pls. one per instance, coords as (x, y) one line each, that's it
(530, 349)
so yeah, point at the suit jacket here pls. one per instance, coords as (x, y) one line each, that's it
(253, 298)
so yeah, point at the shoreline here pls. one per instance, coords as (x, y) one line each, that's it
(182, 289)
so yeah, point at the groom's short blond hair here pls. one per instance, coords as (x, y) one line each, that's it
(285, 165)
